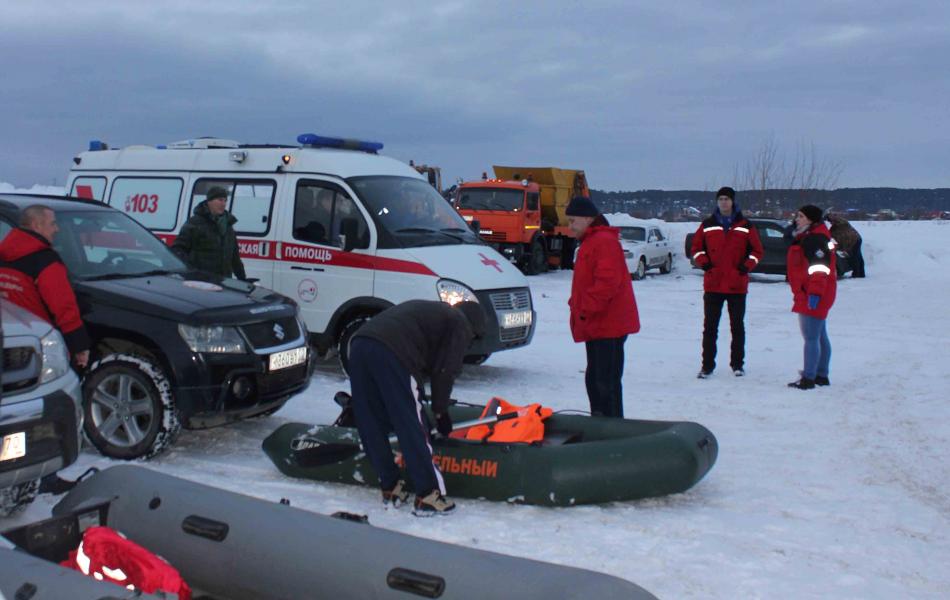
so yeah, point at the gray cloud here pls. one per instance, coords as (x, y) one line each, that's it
(641, 95)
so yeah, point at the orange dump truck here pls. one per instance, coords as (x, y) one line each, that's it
(521, 213)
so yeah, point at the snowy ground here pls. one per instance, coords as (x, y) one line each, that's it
(831, 493)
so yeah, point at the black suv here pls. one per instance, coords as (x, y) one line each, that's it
(172, 347)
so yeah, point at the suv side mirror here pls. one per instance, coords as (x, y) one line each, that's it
(347, 240)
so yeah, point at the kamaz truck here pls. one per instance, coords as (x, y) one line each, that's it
(521, 213)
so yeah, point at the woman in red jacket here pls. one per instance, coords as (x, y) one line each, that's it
(813, 279)
(603, 308)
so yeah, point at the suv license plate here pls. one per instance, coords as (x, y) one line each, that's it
(287, 358)
(14, 446)
(516, 319)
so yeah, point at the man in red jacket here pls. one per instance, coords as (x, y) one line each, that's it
(603, 308)
(726, 246)
(33, 276)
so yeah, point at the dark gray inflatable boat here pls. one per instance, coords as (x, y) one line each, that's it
(234, 546)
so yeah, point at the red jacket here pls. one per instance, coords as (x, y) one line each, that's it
(811, 263)
(602, 302)
(33, 276)
(726, 250)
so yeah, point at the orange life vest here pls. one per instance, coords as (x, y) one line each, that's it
(527, 427)
(107, 556)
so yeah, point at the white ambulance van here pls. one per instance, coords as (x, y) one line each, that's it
(331, 223)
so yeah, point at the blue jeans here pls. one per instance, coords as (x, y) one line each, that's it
(817, 346)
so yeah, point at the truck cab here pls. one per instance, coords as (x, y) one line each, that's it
(332, 224)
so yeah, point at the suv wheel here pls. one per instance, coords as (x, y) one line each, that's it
(128, 407)
(15, 498)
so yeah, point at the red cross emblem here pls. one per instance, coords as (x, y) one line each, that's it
(490, 262)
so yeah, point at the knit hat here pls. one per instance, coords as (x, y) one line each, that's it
(476, 318)
(812, 212)
(726, 191)
(580, 206)
(216, 192)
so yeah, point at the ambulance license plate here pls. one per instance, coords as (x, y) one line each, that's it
(14, 446)
(516, 319)
(287, 358)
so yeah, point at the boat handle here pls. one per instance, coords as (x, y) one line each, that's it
(414, 582)
(206, 528)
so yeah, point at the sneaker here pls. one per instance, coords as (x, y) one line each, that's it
(740, 372)
(803, 384)
(703, 374)
(819, 380)
(432, 504)
(396, 496)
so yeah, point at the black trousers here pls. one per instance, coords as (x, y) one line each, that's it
(603, 375)
(857, 260)
(712, 306)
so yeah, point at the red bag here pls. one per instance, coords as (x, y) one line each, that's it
(107, 556)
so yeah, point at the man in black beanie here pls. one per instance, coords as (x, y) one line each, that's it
(726, 246)
(603, 308)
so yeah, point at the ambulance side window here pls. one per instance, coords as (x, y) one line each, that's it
(320, 215)
(152, 201)
(93, 188)
(250, 201)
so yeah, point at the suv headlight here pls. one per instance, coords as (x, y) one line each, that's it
(55, 356)
(213, 339)
(453, 292)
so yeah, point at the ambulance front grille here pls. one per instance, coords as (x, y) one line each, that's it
(513, 300)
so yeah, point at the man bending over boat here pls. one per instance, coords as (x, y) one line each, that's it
(415, 340)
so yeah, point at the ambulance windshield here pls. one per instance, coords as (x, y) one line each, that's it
(412, 212)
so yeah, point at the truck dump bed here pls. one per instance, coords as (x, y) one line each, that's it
(558, 186)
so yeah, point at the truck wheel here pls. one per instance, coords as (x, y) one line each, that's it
(667, 265)
(641, 271)
(343, 343)
(538, 259)
(128, 407)
(15, 498)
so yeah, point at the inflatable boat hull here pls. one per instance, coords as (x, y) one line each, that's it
(584, 460)
(234, 546)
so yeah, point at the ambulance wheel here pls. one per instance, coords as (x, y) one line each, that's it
(346, 333)
(537, 261)
(667, 265)
(128, 407)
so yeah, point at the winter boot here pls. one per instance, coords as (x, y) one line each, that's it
(740, 372)
(821, 380)
(803, 384)
(396, 496)
(432, 504)
(703, 374)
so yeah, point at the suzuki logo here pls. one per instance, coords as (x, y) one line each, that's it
(278, 331)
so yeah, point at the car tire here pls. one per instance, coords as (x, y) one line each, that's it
(641, 271)
(128, 407)
(537, 261)
(667, 265)
(346, 334)
(475, 359)
(15, 498)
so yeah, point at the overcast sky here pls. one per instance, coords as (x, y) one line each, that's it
(641, 95)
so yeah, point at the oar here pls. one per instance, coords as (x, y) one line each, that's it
(309, 451)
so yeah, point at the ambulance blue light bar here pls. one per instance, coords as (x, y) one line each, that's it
(96, 145)
(321, 141)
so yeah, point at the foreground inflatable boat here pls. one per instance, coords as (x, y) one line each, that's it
(582, 460)
(227, 545)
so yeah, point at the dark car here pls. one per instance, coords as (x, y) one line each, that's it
(172, 347)
(775, 245)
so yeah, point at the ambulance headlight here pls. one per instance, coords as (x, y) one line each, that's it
(214, 339)
(55, 356)
(453, 292)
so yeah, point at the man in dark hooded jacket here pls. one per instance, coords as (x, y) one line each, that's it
(726, 246)
(415, 340)
(207, 240)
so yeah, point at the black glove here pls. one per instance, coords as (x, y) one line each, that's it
(443, 423)
(706, 266)
(743, 269)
